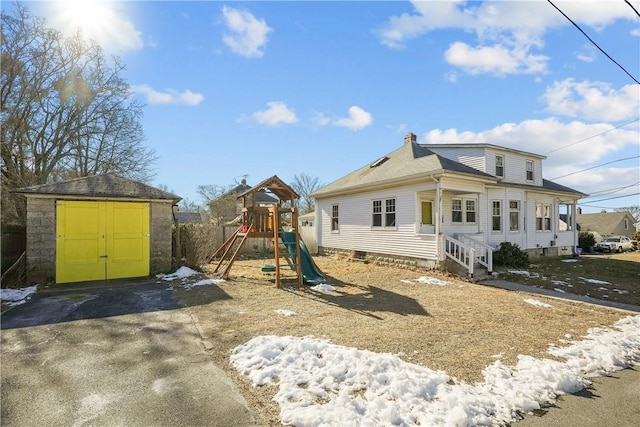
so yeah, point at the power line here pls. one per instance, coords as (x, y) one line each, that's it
(612, 198)
(631, 6)
(595, 167)
(591, 137)
(611, 190)
(593, 42)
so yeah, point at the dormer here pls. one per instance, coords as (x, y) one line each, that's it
(506, 164)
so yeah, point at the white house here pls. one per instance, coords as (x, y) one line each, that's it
(429, 203)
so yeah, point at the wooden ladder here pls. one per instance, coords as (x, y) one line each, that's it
(229, 251)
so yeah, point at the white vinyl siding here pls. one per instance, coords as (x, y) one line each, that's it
(356, 233)
(469, 156)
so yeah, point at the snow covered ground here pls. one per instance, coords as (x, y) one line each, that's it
(323, 384)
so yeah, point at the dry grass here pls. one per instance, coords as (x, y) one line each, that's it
(457, 328)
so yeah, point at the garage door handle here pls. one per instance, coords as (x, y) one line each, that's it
(103, 256)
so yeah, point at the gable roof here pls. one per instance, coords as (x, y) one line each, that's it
(410, 161)
(188, 217)
(238, 190)
(604, 222)
(273, 185)
(107, 185)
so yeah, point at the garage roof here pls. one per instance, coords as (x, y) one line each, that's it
(107, 185)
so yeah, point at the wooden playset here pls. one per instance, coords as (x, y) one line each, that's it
(264, 219)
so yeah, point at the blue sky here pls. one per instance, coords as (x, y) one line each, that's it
(256, 89)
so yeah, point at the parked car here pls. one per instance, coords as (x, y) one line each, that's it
(615, 244)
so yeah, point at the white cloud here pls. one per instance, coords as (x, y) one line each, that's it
(320, 119)
(169, 96)
(592, 100)
(560, 142)
(358, 119)
(245, 34)
(507, 31)
(497, 59)
(278, 113)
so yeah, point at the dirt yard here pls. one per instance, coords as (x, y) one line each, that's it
(460, 327)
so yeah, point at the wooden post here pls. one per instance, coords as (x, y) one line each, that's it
(294, 223)
(276, 245)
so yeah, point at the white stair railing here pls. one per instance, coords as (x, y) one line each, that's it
(484, 252)
(460, 253)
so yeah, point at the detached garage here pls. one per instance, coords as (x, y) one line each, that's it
(97, 228)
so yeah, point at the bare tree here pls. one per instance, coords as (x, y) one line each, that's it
(221, 201)
(65, 110)
(634, 210)
(304, 185)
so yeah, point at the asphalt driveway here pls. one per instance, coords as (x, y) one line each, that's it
(112, 353)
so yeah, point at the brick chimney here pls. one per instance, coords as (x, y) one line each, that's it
(410, 138)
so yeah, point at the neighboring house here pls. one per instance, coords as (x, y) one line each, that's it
(96, 228)
(188, 217)
(427, 204)
(307, 231)
(228, 207)
(607, 223)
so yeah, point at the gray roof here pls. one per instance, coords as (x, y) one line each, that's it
(604, 222)
(107, 186)
(409, 161)
(188, 217)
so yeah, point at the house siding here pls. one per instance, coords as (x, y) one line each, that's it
(483, 159)
(355, 231)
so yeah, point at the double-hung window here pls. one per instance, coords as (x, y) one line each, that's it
(456, 210)
(496, 215)
(514, 215)
(383, 213)
(529, 170)
(334, 218)
(464, 211)
(470, 211)
(543, 217)
(499, 166)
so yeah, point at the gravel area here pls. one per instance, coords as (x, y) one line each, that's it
(459, 327)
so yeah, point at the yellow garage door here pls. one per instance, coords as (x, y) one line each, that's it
(101, 240)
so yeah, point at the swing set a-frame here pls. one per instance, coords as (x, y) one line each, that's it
(264, 220)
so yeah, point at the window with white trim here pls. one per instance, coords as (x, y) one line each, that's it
(496, 215)
(514, 215)
(543, 217)
(334, 218)
(499, 165)
(456, 210)
(470, 213)
(565, 217)
(383, 213)
(464, 211)
(626, 224)
(529, 170)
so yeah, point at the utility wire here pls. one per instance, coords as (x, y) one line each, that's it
(594, 43)
(612, 198)
(595, 167)
(631, 6)
(611, 191)
(590, 137)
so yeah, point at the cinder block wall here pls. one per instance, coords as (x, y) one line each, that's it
(161, 239)
(41, 240)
